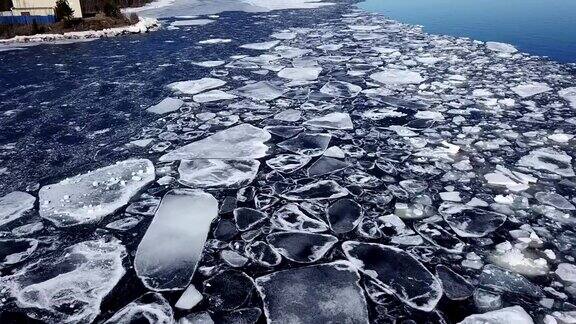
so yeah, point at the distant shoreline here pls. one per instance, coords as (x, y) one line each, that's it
(142, 26)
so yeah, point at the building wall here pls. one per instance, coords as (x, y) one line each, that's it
(43, 7)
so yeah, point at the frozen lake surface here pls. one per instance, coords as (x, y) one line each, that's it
(539, 27)
(314, 165)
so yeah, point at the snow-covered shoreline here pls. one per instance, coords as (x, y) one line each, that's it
(144, 25)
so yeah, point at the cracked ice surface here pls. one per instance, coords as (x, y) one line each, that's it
(356, 170)
(69, 287)
(89, 197)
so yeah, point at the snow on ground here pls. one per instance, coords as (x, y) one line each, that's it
(142, 26)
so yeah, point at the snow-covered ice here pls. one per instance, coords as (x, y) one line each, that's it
(193, 87)
(335, 120)
(501, 47)
(167, 105)
(397, 77)
(89, 197)
(300, 73)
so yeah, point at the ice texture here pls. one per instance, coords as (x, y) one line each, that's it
(311, 144)
(324, 293)
(396, 271)
(167, 256)
(89, 197)
(335, 120)
(14, 205)
(397, 77)
(149, 308)
(208, 173)
(165, 106)
(68, 287)
(240, 142)
(508, 315)
(301, 247)
(320, 190)
(193, 87)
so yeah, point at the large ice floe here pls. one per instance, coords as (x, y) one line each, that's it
(236, 143)
(89, 197)
(332, 290)
(169, 252)
(329, 166)
(69, 286)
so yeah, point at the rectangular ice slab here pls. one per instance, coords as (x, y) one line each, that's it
(172, 246)
(89, 197)
(325, 293)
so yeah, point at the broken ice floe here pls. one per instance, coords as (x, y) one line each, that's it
(89, 197)
(508, 315)
(321, 190)
(301, 247)
(331, 290)
(340, 89)
(151, 307)
(501, 47)
(396, 271)
(261, 90)
(474, 222)
(208, 173)
(166, 106)
(236, 143)
(452, 158)
(69, 286)
(300, 73)
(549, 159)
(397, 77)
(15, 205)
(311, 144)
(332, 121)
(344, 215)
(193, 87)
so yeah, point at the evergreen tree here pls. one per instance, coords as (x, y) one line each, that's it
(63, 10)
(111, 9)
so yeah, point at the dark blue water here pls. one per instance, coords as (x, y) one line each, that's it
(66, 109)
(539, 27)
